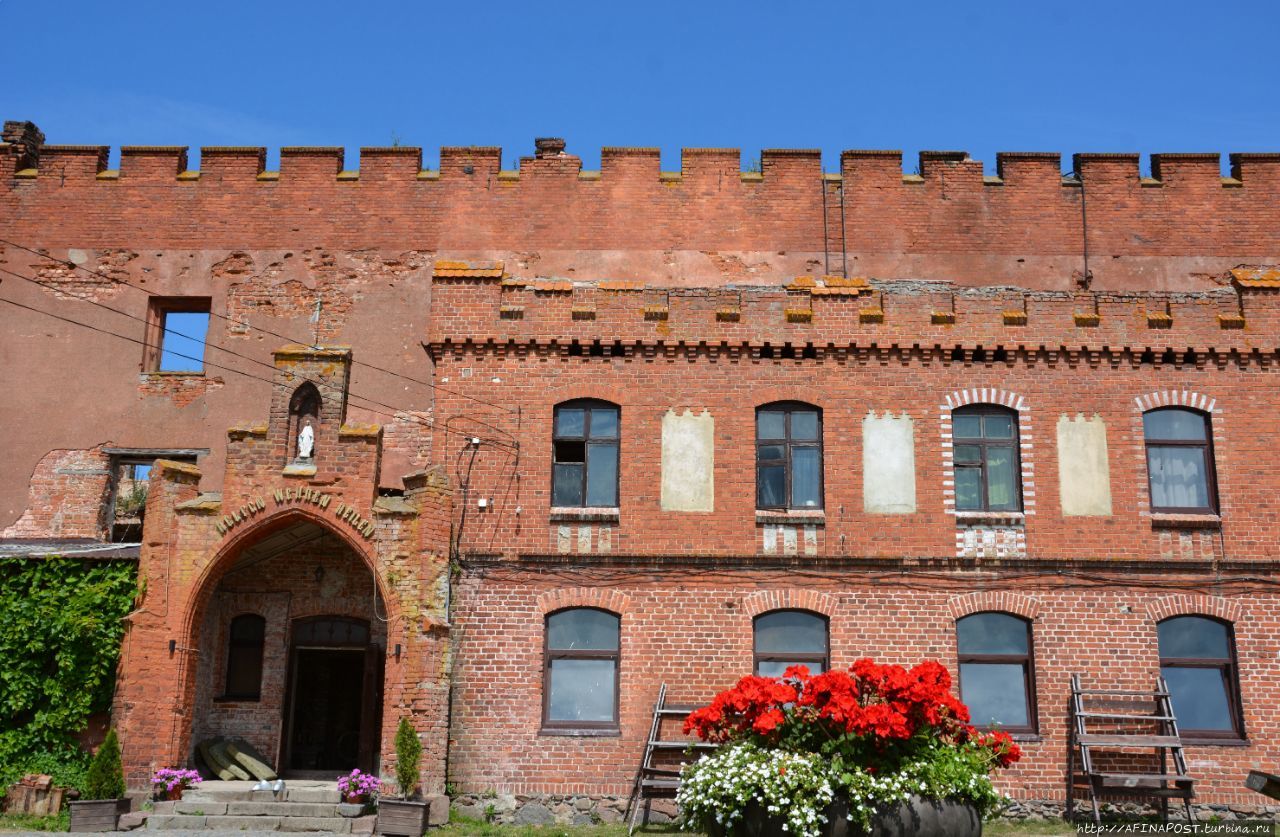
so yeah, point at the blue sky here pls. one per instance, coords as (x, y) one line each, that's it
(982, 77)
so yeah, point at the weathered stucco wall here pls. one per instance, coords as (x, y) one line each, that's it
(688, 461)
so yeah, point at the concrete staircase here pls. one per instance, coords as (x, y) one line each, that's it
(234, 806)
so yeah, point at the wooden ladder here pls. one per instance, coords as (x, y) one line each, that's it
(1123, 719)
(834, 245)
(659, 773)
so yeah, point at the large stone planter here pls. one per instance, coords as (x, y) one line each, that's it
(914, 818)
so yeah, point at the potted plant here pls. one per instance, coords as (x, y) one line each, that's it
(102, 799)
(357, 789)
(403, 816)
(168, 783)
(875, 750)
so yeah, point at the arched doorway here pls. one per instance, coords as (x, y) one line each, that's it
(291, 644)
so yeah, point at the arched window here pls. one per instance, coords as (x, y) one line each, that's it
(244, 657)
(997, 674)
(785, 638)
(987, 468)
(1180, 461)
(1198, 661)
(580, 672)
(585, 455)
(788, 456)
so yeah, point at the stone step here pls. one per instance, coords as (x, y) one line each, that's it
(234, 791)
(212, 808)
(191, 822)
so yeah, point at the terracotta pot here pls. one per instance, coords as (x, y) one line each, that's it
(914, 818)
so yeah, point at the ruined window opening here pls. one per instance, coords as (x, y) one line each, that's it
(130, 475)
(177, 334)
(997, 671)
(785, 638)
(1180, 468)
(581, 662)
(788, 456)
(245, 641)
(304, 411)
(1198, 661)
(585, 455)
(988, 469)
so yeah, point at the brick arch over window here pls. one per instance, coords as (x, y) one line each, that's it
(1004, 398)
(1191, 605)
(615, 395)
(764, 601)
(994, 600)
(1176, 398)
(614, 601)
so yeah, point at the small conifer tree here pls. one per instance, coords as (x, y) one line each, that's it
(408, 756)
(105, 778)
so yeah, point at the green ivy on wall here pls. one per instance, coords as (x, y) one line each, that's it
(61, 623)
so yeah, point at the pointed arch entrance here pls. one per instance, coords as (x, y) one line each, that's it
(320, 658)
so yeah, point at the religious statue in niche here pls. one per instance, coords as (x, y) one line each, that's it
(304, 423)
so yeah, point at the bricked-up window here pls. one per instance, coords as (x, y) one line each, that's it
(988, 473)
(997, 675)
(1180, 461)
(1198, 661)
(585, 455)
(244, 657)
(580, 674)
(788, 456)
(177, 330)
(785, 638)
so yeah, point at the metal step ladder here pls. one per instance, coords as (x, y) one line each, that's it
(1127, 720)
(659, 773)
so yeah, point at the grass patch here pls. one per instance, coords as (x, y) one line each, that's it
(467, 827)
(30, 822)
(1009, 828)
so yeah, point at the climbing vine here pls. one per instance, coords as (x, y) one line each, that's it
(61, 623)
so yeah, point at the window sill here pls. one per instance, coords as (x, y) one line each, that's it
(592, 514)
(1026, 737)
(174, 373)
(791, 517)
(992, 518)
(1166, 520)
(581, 732)
(1192, 741)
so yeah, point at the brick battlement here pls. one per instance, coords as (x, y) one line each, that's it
(710, 222)
(819, 312)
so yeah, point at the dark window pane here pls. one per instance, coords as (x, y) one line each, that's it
(968, 489)
(1194, 637)
(770, 425)
(968, 453)
(1002, 486)
(1199, 697)
(571, 451)
(1178, 477)
(992, 633)
(566, 489)
(995, 693)
(569, 421)
(776, 668)
(772, 453)
(581, 690)
(773, 486)
(790, 632)
(1169, 425)
(248, 628)
(967, 427)
(604, 423)
(804, 426)
(998, 427)
(582, 629)
(806, 478)
(602, 475)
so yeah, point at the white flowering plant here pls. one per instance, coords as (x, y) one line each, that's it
(870, 738)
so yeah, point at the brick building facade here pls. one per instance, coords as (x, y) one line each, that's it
(646, 411)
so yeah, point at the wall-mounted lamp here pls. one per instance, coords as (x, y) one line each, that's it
(397, 652)
(173, 646)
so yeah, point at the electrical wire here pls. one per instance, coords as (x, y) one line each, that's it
(116, 281)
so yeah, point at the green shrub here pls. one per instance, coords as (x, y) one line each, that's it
(408, 756)
(105, 779)
(61, 623)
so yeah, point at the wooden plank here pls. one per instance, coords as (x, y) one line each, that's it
(1120, 740)
(1130, 780)
(1267, 784)
(1125, 716)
